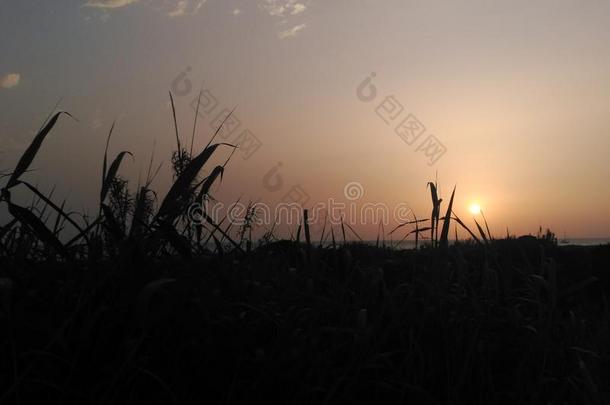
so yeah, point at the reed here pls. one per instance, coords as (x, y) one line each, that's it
(137, 307)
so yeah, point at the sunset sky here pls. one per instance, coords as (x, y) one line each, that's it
(518, 93)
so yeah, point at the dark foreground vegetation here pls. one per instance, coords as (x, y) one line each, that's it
(514, 322)
(511, 323)
(134, 307)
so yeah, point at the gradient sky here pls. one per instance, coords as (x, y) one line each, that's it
(518, 92)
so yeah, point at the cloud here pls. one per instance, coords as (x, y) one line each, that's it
(281, 8)
(10, 80)
(171, 8)
(185, 7)
(298, 8)
(236, 11)
(291, 32)
(284, 10)
(109, 3)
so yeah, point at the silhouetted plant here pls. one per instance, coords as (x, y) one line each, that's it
(121, 201)
(130, 309)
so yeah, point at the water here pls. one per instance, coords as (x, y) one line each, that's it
(410, 244)
(584, 241)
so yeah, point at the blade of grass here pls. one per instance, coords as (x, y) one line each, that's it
(57, 209)
(463, 225)
(105, 163)
(112, 171)
(481, 231)
(58, 222)
(407, 223)
(138, 212)
(306, 226)
(171, 98)
(178, 193)
(323, 230)
(195, 124)
(486, 226)
(111, 223)
(30, 153)
(207, 184)
(353, 231)
(34, 224)
(446, 222)
(219, 128)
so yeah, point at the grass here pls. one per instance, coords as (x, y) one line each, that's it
(136, 307)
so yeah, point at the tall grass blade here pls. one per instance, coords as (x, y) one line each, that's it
(353, 231)
(415, 232)
(177, 241)
(105, 163)
(299, 234)
(58, 219)
(209, 181)
(139, 211)
(445, 231)
(111, 224)
(84, 233)
(219, 128)
(434, 216)
(481, 231)
(180, 190)
(30, 153)
(223, 233)
(219, 248)
(377, 241)
(35, 225)
(50, 203)
(323, 230)
(486, 225)
(416, 221)
(171, 97)
(220, 224)
(195, 124)
(306, 226)
(463, 225)
(112, 171)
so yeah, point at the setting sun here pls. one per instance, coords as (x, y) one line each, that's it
(475, 209)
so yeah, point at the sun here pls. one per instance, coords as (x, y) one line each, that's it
(475, 209)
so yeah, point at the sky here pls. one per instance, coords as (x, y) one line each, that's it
(355, 101)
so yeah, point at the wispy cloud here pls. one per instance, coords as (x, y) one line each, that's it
(281, 8)
(284, 11)
(10, 80)
(291, 32)
(298, 8)
(105, 4)
(171, 8)
(185, 7)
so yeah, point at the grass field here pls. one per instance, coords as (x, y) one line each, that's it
(136, 307)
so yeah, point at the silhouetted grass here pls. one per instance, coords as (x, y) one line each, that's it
(136, 307)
